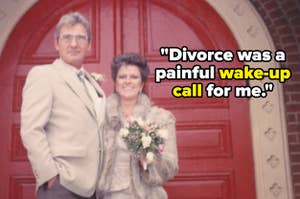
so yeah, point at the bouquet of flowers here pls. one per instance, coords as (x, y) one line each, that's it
(144, 139)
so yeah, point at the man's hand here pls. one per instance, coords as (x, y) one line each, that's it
(51, 182)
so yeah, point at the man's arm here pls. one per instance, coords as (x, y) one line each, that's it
(35, 114)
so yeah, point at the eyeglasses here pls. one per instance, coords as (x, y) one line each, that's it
(78, 38)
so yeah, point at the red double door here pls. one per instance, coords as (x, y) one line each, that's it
(213, 134)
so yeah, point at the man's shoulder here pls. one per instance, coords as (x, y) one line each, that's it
(41, 69)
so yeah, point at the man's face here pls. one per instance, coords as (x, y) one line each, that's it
(72, 44)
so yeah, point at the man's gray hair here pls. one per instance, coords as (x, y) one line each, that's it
(73, 18)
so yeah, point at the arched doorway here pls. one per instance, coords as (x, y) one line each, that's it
(213, 135)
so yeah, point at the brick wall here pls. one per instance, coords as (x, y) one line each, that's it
(282, 18)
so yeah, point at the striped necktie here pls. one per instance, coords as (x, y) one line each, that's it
(82, 77)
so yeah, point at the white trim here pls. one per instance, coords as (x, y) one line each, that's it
(269, 135)
(11, 12)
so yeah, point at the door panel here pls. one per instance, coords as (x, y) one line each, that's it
(213, 134)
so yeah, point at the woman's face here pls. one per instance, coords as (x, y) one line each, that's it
(129, 82)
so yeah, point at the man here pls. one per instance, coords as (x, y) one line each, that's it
(62, 115)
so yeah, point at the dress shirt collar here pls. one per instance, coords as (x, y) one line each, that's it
(71, 67)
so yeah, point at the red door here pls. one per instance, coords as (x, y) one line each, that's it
(213, 134)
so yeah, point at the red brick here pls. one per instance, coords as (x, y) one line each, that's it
(294, 67)
(295, 97)
(297, 187)
(293, 108)
(294, 79)
(294, 148)
(288, 39)
(295, 167)
(291, 56)
(296, 178)
(291, 117)
(276, 14)
(295, 158)
(292, 13)
(269, 21)
(292, 47)
(295, 20)
(270, 6)
(280, 22)
(284, 30)
(291, 87)
(293, 128)
(263, 2)
(293, 139)
(288, 5)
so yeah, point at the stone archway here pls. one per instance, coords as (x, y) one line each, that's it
(269, 136)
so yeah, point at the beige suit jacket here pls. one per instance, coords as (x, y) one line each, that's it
(60, 128)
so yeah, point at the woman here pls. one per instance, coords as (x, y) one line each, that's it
(125, 174)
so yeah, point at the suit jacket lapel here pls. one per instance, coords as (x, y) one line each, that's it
(98, 89)
(100, 108)
(75, 85)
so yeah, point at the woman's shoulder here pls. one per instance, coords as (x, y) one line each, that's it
(155, 113)
(161, 115)
(159, 110)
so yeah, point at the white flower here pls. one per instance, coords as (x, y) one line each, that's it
(124, 132)
(140, 121)
(98, 76)
(163, 133)
(149, 157)
(126, 125)
(148, 121)
(146, 140)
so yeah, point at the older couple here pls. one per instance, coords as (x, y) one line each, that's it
(72, 131)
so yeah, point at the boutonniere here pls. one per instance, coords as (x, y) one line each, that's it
(98, 77)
